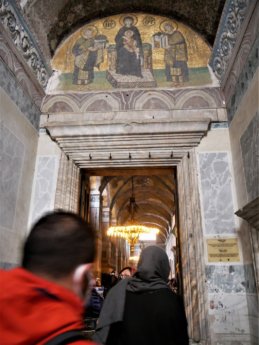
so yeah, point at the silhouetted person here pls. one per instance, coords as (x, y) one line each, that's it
(94, 305)
(143, 310)
(43, 299)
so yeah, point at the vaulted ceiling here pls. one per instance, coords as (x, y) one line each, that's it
(52, 21)
(154, 192)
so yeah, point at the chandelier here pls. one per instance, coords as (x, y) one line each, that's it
(132, 231)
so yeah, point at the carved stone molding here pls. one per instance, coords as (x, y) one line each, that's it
(19, 89)
(241, 83)
(246, 60)
(17, 29)
(250, 213)
(151, 124)
(230, 27)
(191, 98)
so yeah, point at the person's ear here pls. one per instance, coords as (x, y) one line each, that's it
(82, 280)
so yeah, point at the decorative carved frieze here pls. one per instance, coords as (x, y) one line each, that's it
(245, 62)
(165, 124)
(17, 29)
(242, 81)
(15, 86)
(230, 27)
(153, 100)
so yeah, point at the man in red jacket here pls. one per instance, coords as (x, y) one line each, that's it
(42, 301)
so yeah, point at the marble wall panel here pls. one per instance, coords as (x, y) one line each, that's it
(243, 117)
(249, 272)
(250, 149)
(230, 279)
(253, 307)
(23, 101)
(228, 314)
(216, 192)
(6, 265)
(45, 181)
(12, 155)
(10, 245)
(18, 140)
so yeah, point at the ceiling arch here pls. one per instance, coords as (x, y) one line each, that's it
(154, 206)
(157, 193)
(154, 196)
(52, 21)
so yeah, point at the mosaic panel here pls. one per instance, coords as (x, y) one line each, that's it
(129, 51)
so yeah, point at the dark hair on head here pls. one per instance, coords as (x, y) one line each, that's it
(58, 243)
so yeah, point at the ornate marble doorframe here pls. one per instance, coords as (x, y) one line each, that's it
(191, 244)
(126, 133)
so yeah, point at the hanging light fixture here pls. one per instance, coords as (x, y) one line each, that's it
(132, 231)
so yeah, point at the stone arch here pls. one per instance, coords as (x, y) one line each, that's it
(60, 103)
(163, 101)
(101, 102)
(196, 99)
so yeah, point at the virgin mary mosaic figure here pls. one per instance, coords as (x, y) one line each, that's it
(129, 49)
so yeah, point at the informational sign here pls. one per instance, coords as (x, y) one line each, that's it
(223, 250)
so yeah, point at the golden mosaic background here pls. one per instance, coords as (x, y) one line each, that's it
(198, 50)
(148, 25)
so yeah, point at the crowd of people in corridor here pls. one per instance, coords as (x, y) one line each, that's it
(44, 300)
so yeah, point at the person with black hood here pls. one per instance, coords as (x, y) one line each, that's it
(143, 310)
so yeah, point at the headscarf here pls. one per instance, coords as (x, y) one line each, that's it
(152, 274)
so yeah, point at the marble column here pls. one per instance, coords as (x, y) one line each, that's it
(95, 210)
(190, 243)
(67, 192)
(105, 241)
